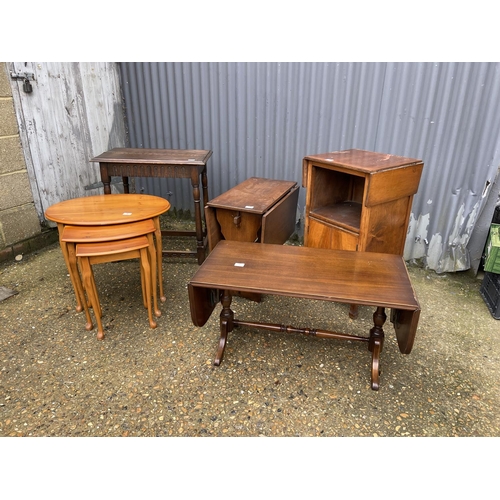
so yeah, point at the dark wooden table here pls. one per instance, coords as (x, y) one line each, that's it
(365, 278)
(256, 210)
(174, 163)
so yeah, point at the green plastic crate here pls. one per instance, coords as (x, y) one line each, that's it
(492, 253)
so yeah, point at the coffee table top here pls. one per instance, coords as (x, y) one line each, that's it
(364, 278)
(107, 209)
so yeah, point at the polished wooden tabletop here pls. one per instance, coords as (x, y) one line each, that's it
(155, 156)
(365, 278)
(368, 162)
(107, 209)
(253, 195)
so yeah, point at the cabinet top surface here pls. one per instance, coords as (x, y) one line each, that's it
(158, 156)
(254, 195)
(363, 161)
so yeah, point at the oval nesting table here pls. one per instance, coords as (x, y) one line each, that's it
(108, 210)
(103, 210)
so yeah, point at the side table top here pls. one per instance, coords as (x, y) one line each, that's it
(107, 209)
(155, 156)
(254, 195)
(363, 161)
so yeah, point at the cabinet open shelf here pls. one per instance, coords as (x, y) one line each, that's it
(346, 214)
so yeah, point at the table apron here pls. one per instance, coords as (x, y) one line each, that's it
(145, 170)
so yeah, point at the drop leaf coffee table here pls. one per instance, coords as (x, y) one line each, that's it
(364, 278)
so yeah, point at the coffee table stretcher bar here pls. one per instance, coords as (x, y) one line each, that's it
(366, 278)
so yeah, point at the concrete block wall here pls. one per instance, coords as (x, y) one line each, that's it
(20, 228)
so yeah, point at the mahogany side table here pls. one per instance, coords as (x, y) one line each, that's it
(176, 163)
(256, 210)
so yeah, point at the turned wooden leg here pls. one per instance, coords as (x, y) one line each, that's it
(204, 184)
(200, 248)
(226, 325)
(105, 178)
(126, 188)
(376, 343)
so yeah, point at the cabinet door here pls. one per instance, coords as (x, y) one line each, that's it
(321, 235)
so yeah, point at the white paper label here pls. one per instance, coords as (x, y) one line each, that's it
(239, 264)
(249, 206)
(127, 213)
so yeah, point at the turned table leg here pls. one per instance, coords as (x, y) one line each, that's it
(126, 188)
(200, 248)
(204, 184)
(226, 325)
(105, 178)
(376, 343)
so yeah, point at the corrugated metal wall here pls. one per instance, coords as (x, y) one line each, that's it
(261, 119)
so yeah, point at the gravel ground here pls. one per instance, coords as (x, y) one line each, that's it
(56, 379)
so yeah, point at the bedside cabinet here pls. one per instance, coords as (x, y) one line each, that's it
(359, 200)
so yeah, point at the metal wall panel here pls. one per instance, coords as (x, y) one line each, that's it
(448, 115)
(261, 119)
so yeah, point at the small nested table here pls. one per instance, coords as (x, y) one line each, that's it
(99, 210)
(365, 278)
(176, 163)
